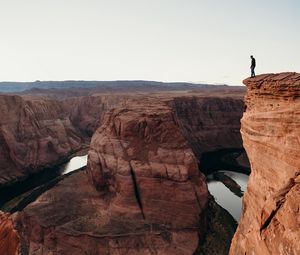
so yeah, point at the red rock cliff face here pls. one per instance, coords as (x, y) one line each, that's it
(9, 240)
(142, 192)
(210, 123)
(145, 194)
(33, 134)
(86, 113)
(37, 133)
(271, 131)
(141, 158)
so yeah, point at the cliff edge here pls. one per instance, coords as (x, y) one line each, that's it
(271, 136)
(142, 191)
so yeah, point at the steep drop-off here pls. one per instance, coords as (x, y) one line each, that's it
(33, 134)
(271, 131)
(210, 124)
(142, 192)
(36, 133)
(148, 195)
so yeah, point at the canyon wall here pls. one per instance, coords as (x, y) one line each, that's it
(210, 123)
(38, 132)
(271, 131)
(86, 113)
(142, 192)
(145, 193)
(33, 134)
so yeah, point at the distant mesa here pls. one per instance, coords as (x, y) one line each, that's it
(135, 85)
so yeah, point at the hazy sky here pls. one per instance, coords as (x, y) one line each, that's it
(164, 40)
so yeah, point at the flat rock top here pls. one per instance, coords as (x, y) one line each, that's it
(273, 77)
(276, 86)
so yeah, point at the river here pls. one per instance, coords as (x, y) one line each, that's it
(223, 196)
(74, 164)
(21, 189)
(226, 198)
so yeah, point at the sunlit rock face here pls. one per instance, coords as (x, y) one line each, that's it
(271, 131)
(9, 239)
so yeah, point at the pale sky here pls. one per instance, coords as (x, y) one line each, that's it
(164, 40)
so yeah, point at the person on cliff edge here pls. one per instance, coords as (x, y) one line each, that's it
(252, 67)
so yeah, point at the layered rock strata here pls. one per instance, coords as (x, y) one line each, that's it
(39, 132)
(271, 130)
(211, 123)
(33, 134)
(147, 195)
(36, 133)
(142, 192)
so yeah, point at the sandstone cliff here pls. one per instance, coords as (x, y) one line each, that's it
(9, 240)
(36, 132)
(210, 123)
(271, 131)
(33, 134)
(148, 195)
(86, 113)
(142, 192)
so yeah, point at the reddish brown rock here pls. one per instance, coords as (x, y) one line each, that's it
(9, 240)
(148, 195)
(86, 113)
(36, 132)
(210, 123)
(33, 134)
(271, 130)
(143, 192)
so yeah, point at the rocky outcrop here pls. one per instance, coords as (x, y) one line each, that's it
(9, 240)
(36, 133)
(271, 130)
(33, 134)
(145, 194)
(210, 123)
(142, 192)
(86, 113)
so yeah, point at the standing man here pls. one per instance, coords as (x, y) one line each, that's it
(252, 67)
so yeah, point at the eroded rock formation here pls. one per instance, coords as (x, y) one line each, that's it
(86, 113)
(271, 131)
(148, 195)
(210, 123)
(38, 132)
(142, 192)
(9, 240)
(33, 134)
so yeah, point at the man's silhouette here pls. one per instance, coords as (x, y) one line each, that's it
(252, 67)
